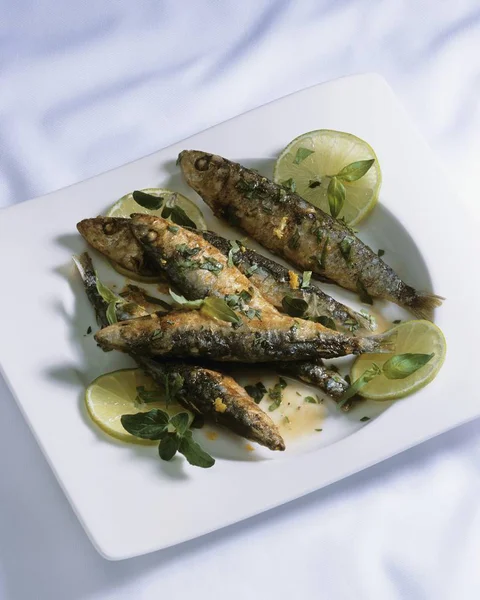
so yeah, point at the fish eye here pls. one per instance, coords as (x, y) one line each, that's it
(109, 228)
(202, 163)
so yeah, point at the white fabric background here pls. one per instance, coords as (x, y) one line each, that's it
(86, 86)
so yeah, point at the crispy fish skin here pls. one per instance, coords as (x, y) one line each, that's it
(220, 399)
(112, 237)
(191, 333)
(201, 387)
(200, 270)
(289, 226)
(274, 281)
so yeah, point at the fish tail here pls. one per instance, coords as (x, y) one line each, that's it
(423, 304)
(381, 343)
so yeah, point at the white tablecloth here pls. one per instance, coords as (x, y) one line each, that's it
(86, 86)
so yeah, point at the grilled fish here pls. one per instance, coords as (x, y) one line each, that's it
(275, 283)
(319, 375)
(200, 270)
(302, 234)
(191, 333)
(204, 391)
(219, 398)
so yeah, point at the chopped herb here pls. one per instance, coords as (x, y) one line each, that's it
(294, 240)
(219, 309)
(307, 275)
(275, 394)
(148, 201)
(266, 207)
(397, 321)
(318, 429)
(158, 333)
(286, 419)
(253, 313)
(182, 301)
(347, 379)
(352, 325)
(380, 252)
(212, 265)
(89, 330)
(357, 385)
(185, 250)
(172, 228)
(363, 419)
(346, 248)
(321, 260)
(245, 296)
(312, 400)
(362, 292)
(314, 183)
(234, 247)
(298, 393)
(290, 185)
(295, 307)
(318, 232)
(302, 154)
(147, 396)
(173, 384)
(251, 270)
(256, 391)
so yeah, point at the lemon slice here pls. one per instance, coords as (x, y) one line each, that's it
(422, 337)
(127, 205)
(311, 159)
(114, 394)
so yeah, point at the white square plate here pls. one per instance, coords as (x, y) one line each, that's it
(128, 501)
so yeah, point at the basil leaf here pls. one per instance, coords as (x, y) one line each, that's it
(404, 365)
(178, 216)
(290, 185)
(307, 275)
(150, 425)
(336, 196)
(111, 312)
(219, 309)
(295, 307)
(105, 292)
(302, 154)
(355, 170)
(181, 422)
(182, 301)
(148, 201)
(326, 322)
(194, 453)
(362, 292)
(357, 385)
(168, 446)
(256, 391)
(275, 394)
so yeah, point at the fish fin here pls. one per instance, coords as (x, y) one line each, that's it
(381, 343)
(424, 303)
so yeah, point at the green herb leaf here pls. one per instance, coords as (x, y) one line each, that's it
(307, 275)
(362, 292)
(312, 400)
(147, 396)
(302, 154)
(105, 292)
(326, 322)
(318, 429)
(184, 303)
(148, 201)
(295, 307)
(397, 321)
(172, 228)
(219, 309)
(181, 422)
(234, 248)
(314, 183)
(178, 216)
(210, 264)
(173, 384)
(294, 240)
(89, 330)
(336, 196)
(148, 426)
(251, 270)
(380, 252)
(111, 312)
(346, 248)
(355, 170)
(290, 185)
(194, 453)
(322, 259)
(357, 385)
(256, 391)
(168, 446)
(364, 419)
(275, 394)
(404, 365)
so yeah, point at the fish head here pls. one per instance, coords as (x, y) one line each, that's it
(149, 230)
(205, 173)
(113, 237)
